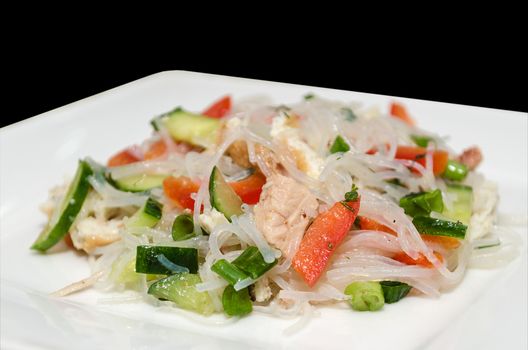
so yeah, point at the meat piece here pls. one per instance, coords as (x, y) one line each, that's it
(262, 290)
(471, 157)
(284, 211)
(91, 233)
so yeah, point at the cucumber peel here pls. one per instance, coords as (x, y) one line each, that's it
(223, 197)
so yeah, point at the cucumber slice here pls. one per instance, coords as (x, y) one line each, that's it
(65, 214)
(462, 206)
(437, 227)
(147, 216)
(223, 197)
(147, 259)
(180, 289)
(195, 129)
(139, 183)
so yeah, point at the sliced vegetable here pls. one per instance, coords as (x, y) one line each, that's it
(365, 296)
(370, 224)
(147, 259)
(139, 183)
(398, 110)
(444, 241)
(394, 291)
(421, 140)
(252, 263)
(157, 150)
(122, 158)
(183, 228)
(439, 227)
(147, 216)
(322, 238)
(65, 213)
(228, 271)
(179, 190)
(339, 145)
(196, 129)
(422, 203)
(236, 303)
(461, 207)
(220, 108)
(180, 289)
(223, 197)
(417, 154)
(250, 188)
(455, 171)
(421, 260)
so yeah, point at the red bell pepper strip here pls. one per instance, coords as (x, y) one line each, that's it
(369, 224)
(179, 190)
(250, 188)
(322, 239)
(417, 154)
(219, 109)
(422, 260)
(156, 150)
(398, 111)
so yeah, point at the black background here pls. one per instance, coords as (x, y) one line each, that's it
(477, 71)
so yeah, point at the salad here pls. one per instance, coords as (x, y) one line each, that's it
(252, 206)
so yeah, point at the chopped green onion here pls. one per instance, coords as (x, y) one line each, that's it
(349, 114)
(183, 228)
(455, 171)
(421, 140)
(147, 259)
(393, 291)
(252, 262)
(236, 303)
(228, 271)
(339, 145)
(365, 296)
(422, 203)
(437, 227)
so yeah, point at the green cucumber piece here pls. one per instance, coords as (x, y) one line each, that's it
(223, 197)
(393, 291)
(147, 259)
(139, 183)
(148, 215)
(65, 214)
(192, 128)
(462, 207)
(183, 228)
(180, 289)
(437, 227)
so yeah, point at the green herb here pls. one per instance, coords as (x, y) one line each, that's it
(236, 303)
(228, 271)
(437, 227)
(393, 291)
(422, 203)
(349, 114)
(455, 171)
(421, 140)
(365, 296)
(339, 145)
(183, 228)
(309, 96)
(252, 263)
(352, 195)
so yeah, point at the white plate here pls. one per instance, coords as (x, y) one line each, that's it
(487, 310)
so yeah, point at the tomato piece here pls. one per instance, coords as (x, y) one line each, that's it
(422, 260)
(122, 158)
(417, 154)
(250, 188)
(156, 150)
(369, 224)
(399, 111)
(68, 241)
(179, 190)
(322, 239)
(220, 108)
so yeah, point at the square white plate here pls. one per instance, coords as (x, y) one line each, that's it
(487, 310)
